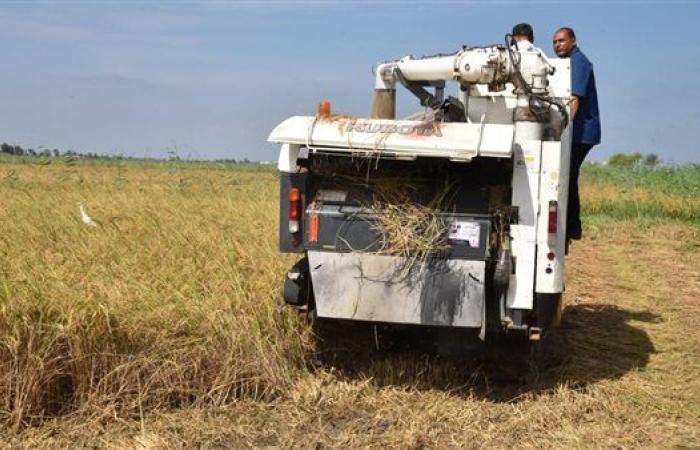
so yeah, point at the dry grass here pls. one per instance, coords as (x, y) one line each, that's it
(162, 328)
(408, 229)
(167, 302)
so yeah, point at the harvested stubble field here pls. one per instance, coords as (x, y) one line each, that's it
(162, 326)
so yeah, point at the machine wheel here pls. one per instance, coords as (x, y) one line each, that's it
(511, 357)
(549, 309)
(297, 285)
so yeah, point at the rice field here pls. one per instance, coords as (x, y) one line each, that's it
(642, 194)
(162, 326)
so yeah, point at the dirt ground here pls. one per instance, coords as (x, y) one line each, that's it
(623, 372)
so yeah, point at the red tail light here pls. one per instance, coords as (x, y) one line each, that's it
(552, 223)
(552, 226)
(294, 206)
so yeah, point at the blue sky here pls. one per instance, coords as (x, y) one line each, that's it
(210, 79)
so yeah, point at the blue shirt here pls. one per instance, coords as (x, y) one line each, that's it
(587, 121)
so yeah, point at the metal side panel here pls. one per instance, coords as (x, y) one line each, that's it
(526, 183)
(370, 287)
(554, 186)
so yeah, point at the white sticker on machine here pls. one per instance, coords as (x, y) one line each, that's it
(464, 232)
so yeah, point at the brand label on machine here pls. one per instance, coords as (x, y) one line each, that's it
(388, 128)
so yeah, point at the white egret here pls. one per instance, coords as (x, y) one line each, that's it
(85, 218)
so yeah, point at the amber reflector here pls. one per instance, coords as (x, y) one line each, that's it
(324, 108)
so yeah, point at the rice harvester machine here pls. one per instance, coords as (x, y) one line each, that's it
(490, 162)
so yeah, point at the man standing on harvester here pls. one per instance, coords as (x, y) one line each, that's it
(584, 112)
(523, 37)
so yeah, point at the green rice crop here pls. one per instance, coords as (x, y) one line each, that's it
(641, 194)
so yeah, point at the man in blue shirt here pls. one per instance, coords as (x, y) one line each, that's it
(586, 120)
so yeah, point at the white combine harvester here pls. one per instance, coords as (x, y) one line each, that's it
(496, 154)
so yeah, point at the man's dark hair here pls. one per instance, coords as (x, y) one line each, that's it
(524, 29)
(569, 31)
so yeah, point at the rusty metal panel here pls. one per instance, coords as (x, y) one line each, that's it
(379, 288)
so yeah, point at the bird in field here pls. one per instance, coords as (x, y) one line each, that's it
(85, 218)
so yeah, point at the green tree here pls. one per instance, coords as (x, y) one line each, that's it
(625, 159)
(651, 160)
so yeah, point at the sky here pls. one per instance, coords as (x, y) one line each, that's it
(211, 79)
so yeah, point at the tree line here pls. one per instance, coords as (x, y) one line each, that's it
(634, 160)
(17, 150)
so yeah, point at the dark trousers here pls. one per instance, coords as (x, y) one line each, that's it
(573, 213)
